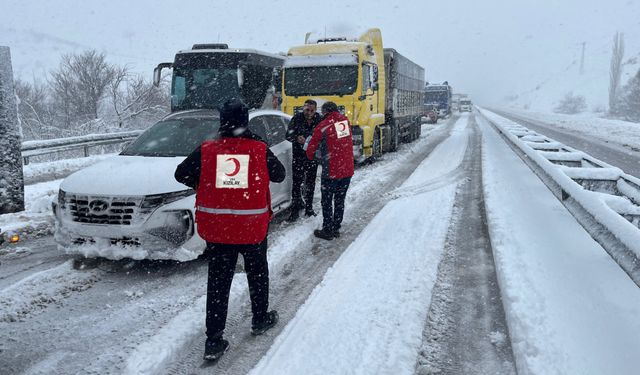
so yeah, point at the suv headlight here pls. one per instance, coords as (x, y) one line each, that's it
(151, 202)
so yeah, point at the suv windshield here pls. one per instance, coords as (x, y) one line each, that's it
(174, 137)
(321, 80)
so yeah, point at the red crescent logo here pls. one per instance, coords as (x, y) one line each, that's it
(237, 167)
(344, 126)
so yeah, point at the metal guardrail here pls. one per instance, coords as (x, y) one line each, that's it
(582, 183)
(35, 148)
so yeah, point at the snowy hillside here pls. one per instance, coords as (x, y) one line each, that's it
(592, 83)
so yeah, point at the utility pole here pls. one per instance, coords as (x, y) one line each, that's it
(11, 178)
(582, 59)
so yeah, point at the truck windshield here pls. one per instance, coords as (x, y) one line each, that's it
(194, 88)
(321, 80)
(175, 137)
(435, 96)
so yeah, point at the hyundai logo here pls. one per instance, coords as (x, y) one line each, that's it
(98, 205)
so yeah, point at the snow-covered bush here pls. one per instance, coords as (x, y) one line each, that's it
(571, 104)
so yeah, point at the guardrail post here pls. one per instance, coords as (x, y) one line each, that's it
(11, 177)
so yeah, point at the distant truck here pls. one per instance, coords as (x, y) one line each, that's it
(439, 96)
(378, 89)
(205, 76)
(465, 105)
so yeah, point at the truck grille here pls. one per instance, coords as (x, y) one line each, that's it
(102, 210)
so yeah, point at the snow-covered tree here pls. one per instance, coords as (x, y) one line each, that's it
(11, 178)
(615, 72)
(630, 104)
(134, 97)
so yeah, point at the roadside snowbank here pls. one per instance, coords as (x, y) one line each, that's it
(570, 308)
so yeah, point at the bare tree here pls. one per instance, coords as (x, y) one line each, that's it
(133, 96)
(80, 83)
(615, 72)
(35, 111)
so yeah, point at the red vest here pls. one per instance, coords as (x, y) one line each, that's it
(233, 201)
(337, 154)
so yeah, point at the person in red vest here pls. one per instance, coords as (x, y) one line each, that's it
(332, 138)
(231, 176)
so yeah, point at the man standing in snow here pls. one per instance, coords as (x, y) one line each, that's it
(333, 138)
(233, 208)
(304, 170)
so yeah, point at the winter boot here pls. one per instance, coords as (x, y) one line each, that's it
(294, 215)
(324, 234)
(336, 233)
(309, 212)
(214, 349)
(258, 328)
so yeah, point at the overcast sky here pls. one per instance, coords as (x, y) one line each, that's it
(487, 48)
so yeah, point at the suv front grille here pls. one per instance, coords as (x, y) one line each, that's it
(102, 210)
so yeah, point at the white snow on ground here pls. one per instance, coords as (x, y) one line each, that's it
(570, 308)
(42, 289)
(624, 133)
(591, 201)
(150, 357)
(37, 215)
(368, 313)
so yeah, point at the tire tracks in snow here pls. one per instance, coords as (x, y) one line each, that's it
(466, 329)
(294, 278)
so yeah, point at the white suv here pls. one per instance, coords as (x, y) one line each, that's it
(130, 206)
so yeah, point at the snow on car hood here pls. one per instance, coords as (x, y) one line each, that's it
(126, 175)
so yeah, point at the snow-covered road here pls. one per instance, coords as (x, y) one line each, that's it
(410, 286)
(368, 313)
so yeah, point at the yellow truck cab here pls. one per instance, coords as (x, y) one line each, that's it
(355, 74)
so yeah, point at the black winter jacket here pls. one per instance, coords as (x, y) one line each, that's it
(188, 172)
(299, 126)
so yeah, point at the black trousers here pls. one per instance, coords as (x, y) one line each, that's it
(222, 264)
(304, 170)
(333, 194)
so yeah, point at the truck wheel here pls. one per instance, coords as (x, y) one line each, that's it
(377, 143)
